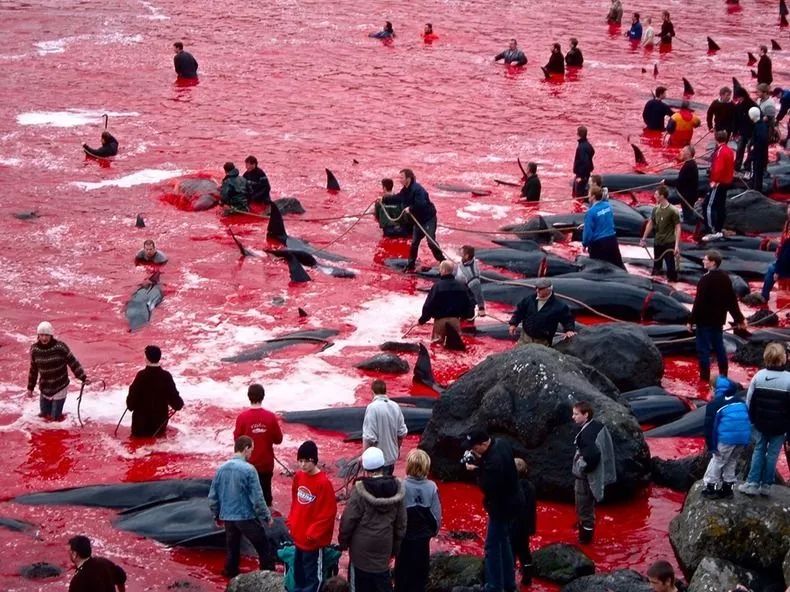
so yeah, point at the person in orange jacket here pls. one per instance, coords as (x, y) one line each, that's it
(681, 126)
(722, 173)
(312, 518)
(428, 36)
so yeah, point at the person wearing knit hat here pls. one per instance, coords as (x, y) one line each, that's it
(151, 396)
(311, 519)
(49, 363)
(373, 524)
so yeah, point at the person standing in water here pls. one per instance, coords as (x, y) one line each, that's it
(574, 57)
(386, 33)
(615, 15)
(185, 64)
(648, 35)
(667, 29)
(635, 32)
(512, 55)
(556, 64)
(108, 148)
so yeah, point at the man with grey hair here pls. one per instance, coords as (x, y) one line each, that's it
(447, 303)
(539, 314)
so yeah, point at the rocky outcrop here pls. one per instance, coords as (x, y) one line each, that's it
(752, 532)
(622, 352)
(562, 563)
(388, 363)
(257, 581)
(754, 213)
(715, 575)
(786, 569)
(681, 473)
(451, 571)
(526, 395)
(622, 580)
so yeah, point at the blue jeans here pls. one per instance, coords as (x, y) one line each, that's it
(51, 408)
(708, 338)
(308, 570)
(768, 281)
(764, 457)
(499, 565)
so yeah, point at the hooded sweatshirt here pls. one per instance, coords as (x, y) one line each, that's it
(374, 523)
(313, 510)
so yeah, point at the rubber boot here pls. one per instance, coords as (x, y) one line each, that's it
(526, 574)
(704, 374)
(710, 491)
(585, 535)
(726, 490)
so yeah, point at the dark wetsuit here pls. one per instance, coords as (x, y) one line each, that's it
(574, 58)
(258, 186)
(185, 64)
(512, 55)
(556, 64)
(105, 150)
(531, 188)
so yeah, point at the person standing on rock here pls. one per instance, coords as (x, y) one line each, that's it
(50, 360)
(714, 299)
(311, 519)
(262, 426)
(235, 499)
(666, 245)
(373, 525)
(727, 432)
(539, 315)
(151, 395)
(768, 399)
(383, 426)
(593, 467)
(447, 303)
(423, 518)
(492, 459)
(94, 574)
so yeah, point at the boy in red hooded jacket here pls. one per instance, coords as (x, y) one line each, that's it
(312, 518)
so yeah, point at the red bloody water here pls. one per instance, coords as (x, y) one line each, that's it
(299, 85)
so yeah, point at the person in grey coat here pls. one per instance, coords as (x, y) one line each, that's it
(469, 273)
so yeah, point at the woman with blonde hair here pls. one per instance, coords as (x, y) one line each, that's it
(768, 399)
(424, 516)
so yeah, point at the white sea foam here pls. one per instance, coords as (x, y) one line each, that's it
(144, 177)
(373, 327)
(68, 118)
(473, 211)
(53, 46)
(154, 12)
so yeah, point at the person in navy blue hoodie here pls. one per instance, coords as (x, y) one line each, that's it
(419, 205)
(727, 432)
(582, 163)
(599, 236)
(656, 110)
(635, 32)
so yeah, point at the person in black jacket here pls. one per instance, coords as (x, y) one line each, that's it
(765, 73)
(687, 185)
(588, 452)
(667, 29)
(582, 163)
(419, 205)
(714, 299)
(656, 110)
(539, 315)
(721, 113)
(151, 393)
(531, 188)
(185, 64)
(758, 148)
(556, 64)
(447, 303)
(523, 525)
(574, 57)
(93, 574)
(109, 146)
(257, 182)
(744, 126)
(494, 463)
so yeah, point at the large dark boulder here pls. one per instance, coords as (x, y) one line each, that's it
(622, 580)
(622, 352)
(257, 581)
(754, 213)
(387, 362)
(715, 575)
(786, 568)
(450, 571)
(526, 395)
(681, 473)
(752, 532)
(562, 563)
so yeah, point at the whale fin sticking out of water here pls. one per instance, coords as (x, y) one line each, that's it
(752, 60)
(139, 222)
(712, 45)
(258, 352)
(783, 8)
(639, 156)
(655, 70)
(144, 300)
(453, 340)
(736, 85)
(275, 229)
(775, 46)
(245, 252)
(302, 313)
(298, 273)
(331, 181)
(688, 90)
(423, 373)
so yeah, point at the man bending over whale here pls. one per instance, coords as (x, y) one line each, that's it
(108, 148)
(512, 55)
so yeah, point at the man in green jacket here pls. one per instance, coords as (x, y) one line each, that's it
(234, 192)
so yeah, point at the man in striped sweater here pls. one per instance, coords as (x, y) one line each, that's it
(49, 359)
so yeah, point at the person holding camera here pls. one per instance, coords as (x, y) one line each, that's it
(492, 459)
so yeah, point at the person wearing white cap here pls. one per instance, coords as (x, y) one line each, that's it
(49, 363)
(758, 148)
(373, 525)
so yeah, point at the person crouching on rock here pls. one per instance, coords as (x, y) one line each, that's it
(523, 525)
(109, 146)
(447, 303)
(151, 393)
(727, 432)
(593, 467)
(539, 315)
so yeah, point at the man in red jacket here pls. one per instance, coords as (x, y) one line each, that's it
(312, 518)
(262, 426)
(722, 172)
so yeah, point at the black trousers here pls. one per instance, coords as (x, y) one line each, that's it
(266, 485)
(365, 581)
(412, 565)
(664, 254)
(416, 238)
(607, 249)
(254, 532)
(715, 207)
